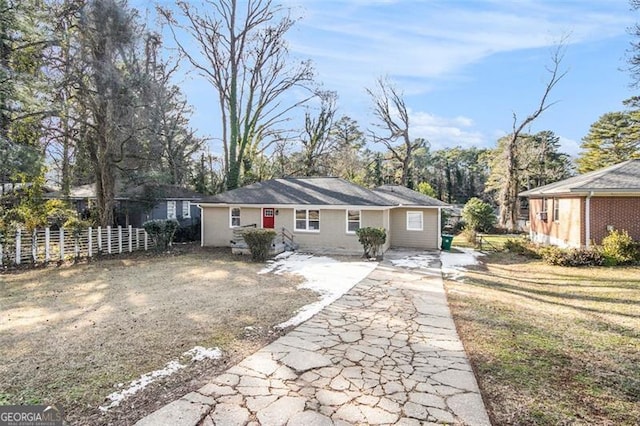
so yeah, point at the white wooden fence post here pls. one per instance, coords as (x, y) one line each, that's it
(130, 239)
(76, 245)
(119, 239)
(1, 249)
(100, 239)
(18, 235)
(47, 241)
(109, 239)
(34, 246)
(137, 239)
(90, 238)
(61, 243)
(146, 240)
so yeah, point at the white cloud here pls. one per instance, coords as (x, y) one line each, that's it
(444, 132)
(569, 146)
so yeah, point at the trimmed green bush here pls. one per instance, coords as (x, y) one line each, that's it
(478, 215)
(619, 248)
(372, 239)
(161, 231)
(521, 246)
(259, 242)
(571, 257)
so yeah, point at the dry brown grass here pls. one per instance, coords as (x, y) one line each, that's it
(68, 335)
(552, 345)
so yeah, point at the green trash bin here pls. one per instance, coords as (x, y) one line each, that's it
(446, 242)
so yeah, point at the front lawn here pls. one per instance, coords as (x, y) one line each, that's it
(69, 336)
(552, 345)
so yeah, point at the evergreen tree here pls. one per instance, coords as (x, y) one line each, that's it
(614, 138)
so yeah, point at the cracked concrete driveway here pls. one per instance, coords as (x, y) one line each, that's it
(387, 352)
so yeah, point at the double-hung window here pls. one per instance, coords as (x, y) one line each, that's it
(556, 210)
(186, 209)
(353, 221)
(307, 220)
(171, 209)
(414, 221)
(234, 217)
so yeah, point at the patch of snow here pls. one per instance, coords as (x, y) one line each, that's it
(324, 275)
(455, 264)
(200, 353)
(420, 261)
(195, 354)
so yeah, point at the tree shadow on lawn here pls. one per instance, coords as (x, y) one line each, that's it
(573, 277)
(69, 335)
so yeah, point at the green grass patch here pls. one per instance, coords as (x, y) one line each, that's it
(552, 345)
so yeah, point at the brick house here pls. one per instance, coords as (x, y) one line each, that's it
(581, 210)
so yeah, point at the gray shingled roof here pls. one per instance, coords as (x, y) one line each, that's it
(319, 191)
(622, 177)
(400, 195)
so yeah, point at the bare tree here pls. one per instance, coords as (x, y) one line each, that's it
(391, 112)
(245, 58)
(316, 140)
(508, 193)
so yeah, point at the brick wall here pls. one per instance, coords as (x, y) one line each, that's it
(623, 213)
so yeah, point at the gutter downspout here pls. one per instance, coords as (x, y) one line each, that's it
(201, 225)
(438, 241)
(587, 219)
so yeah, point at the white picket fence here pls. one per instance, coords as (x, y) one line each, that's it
(46, 245)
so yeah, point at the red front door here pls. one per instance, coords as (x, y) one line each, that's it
(268, 218)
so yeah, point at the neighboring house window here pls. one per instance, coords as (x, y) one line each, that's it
(235, 217)
(186, 209)
(414, 221)
(545, 210)
(307, 220)
(353, 221)
(556, 210)
(171, 209)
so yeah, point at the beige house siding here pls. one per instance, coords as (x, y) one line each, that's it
(216, 224)
(564, 232)
(332, 236)
(401, 237)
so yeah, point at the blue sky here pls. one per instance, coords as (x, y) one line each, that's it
(465, 67)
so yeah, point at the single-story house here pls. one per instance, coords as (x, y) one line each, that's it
(581, 210)
(323, 213)
(136, 205)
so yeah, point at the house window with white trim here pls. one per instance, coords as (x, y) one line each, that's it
(414, 221)
(234, 214)
(171, 209)
(307, 220)
(353, 221)
(186, 209)
(556, 210)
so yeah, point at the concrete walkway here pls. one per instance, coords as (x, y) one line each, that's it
(387, 352)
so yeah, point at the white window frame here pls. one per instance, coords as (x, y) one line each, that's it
(171, 209)
(232, 216)
(353, 221)
(186, 209)
(306, 220)
(556, 210)
(413, 212)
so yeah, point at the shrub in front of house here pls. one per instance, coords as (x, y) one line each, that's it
(618, 248)
(571, 257)
(478, 215)
(372, 240)
(259, 242)
(521, 246)
(161, 231)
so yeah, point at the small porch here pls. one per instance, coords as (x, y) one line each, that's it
(283, 241)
